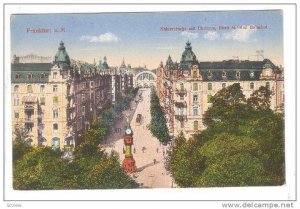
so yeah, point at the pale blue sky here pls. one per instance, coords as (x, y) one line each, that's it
(138, 37)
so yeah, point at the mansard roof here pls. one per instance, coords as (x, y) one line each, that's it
(39, 72)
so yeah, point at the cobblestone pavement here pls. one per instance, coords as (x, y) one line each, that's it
(147, 151)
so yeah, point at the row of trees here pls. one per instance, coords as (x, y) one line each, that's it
(242, 145)
(158, 124)
(90, 168)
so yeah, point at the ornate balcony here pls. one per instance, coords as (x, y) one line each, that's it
(180, 103)
(180, 91)
(181, 117)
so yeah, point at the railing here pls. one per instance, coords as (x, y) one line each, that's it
(181, 117)
(180, 91)
(180, 103)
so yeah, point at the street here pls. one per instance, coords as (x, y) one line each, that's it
(147, 151)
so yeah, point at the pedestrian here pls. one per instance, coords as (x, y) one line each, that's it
(134, 150)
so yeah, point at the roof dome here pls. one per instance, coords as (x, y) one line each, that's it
(62, 58)
(188, 57)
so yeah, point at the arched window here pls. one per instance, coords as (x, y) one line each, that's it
(196, 125)
(181, 86)
(55, 143)
(209, 86)
(29, 76)
(195, 86)
(16, 88)
(29, 88)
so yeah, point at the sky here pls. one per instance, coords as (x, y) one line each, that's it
(149, 38)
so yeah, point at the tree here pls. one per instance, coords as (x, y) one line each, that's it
(20, 132)
(158, 124)
(260, 99)
(185, 162)
(242, 145)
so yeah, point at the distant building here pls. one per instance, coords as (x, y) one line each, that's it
(185, 88)
(56, 102)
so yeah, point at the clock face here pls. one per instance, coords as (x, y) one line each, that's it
(128, 131)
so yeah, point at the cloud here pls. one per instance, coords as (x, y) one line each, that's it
(102, 38)
(189, 35)
(240, 35)
(211, 35)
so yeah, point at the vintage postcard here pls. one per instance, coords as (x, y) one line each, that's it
(145, 100)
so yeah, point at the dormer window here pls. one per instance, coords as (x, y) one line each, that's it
(251, 74)
(238, 74)
(54, 75)
(209, 74)
(29, 76)
(17, 76)
(43, 76)
(224, 74)
(194, 74)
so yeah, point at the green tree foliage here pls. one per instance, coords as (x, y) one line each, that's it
(36, 168)
(242, 145)
(185, 162)
(158, 124)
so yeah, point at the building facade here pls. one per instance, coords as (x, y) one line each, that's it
(56, 102)
(185, 88)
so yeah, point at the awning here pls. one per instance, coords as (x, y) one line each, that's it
(29, 99)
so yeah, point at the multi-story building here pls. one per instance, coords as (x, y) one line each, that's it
(56, 102)
(185, 88)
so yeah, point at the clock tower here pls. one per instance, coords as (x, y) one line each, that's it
(128, 163)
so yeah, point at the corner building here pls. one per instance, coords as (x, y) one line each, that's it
(56, 102)
(185, 89)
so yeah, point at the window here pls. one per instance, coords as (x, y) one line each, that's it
(195, 98)
(42, 100)
(83, 97)
(223, 85)
(83, 85)
(92, 84)
(17, 76)
(251, 74)
(181, 111)
(43, 76)
(181, 124)
(194, 73)
(29, 76)
(16, 88)
(83, 109)
(224, 74)
(55, 99)
(181, 87)
(209, 97)
(209, 74)
(195, 110)
(268, 85)
(16, 114)
(54, 75)
(16, 101)
(181, 97)
(238, 74)
(196, 125)
(29, 89)
(251, 85)
(55, 113)
(195, 86)
(55, 143)
(209, 86)
(55, 127)
(42, 88)
(55, 88)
